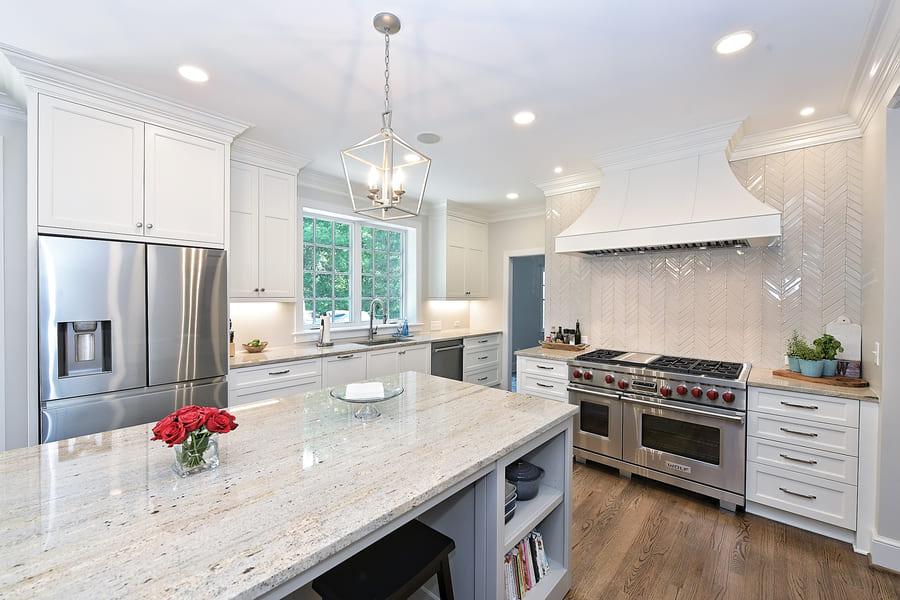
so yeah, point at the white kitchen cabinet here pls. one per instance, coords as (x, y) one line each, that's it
(397, 360)
(252, 384)
(457, 258)
(481, 359)
(101, 173)
(542, 377)
(90, 169)
(802, 457)
(341, 369)
(263, 233)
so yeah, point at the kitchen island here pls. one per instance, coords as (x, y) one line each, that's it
(302, 485)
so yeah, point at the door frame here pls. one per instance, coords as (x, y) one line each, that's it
(505, 375)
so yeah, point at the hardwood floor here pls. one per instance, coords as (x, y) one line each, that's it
(639, 539)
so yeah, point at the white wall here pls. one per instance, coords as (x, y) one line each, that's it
(14, 405)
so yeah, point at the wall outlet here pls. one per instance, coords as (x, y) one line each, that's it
(435, 325)
(456, 323)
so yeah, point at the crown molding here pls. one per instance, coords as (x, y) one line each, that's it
(511, 214)
(323, 182)
(263, 155)
(10, 110)
(713, 138)
(41, 76)
(804, 135)
(583, 180)
(877, 73)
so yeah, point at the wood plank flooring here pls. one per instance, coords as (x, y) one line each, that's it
(639, 539)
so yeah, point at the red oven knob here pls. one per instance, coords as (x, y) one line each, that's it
(712, 394)
(623, 384)
(728, 397)
(696, 392)
(576, 374)
(588, 375)
(681, 390)
(665, 391)
(609, 379)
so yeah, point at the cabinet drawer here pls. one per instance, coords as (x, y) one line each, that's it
(546, 368)
(489, 376)
(832, 438)
(274, 375)
(257, 394)
(836, 467)
(476, 357)
(813, 497)
(823, 409)
(481, 341)
(537, 385)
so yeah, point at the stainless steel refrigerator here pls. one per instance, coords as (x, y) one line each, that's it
(129, 332)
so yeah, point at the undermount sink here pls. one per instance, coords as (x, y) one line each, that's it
(380, 342)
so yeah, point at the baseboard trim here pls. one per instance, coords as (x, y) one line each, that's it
(885, 553)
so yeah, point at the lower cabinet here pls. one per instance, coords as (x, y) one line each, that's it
(397, 360)
(252, 384)
(542, 377)
(481, 359)
(802, 455)
(343, 368)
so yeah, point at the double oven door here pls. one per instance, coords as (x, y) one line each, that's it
(705, 445)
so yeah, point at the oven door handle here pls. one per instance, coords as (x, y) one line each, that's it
(691, 411)
(575, 388)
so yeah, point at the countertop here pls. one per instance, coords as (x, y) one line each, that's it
(277, 354)
(550, 354)
(103, 516)
(762, 377)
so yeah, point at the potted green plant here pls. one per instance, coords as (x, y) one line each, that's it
(793, 350)
(811, 364)
(829, 346)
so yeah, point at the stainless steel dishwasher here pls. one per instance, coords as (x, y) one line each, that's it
(447, 359)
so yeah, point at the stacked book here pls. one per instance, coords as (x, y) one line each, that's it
(525, 565)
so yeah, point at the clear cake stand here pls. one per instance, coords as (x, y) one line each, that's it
(367, 412)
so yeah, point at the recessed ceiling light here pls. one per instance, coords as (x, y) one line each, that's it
(733, 42)
(428, 137)
(512, 196)
(807, 111)
(524, 118)
(557, 169)
(192, 73)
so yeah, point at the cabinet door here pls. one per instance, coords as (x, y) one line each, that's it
(382, 362)
(344, 368)
(184, 187)
(476, 260)
(243, 275)
(277, 234)
(90, 169)
(415, 358)
(456, 258)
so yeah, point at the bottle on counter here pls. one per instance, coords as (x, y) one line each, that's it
(577, 332)
(560, 337)
(552, 337)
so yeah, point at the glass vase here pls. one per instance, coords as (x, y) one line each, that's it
(198, 453)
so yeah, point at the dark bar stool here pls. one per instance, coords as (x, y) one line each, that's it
(392, 568)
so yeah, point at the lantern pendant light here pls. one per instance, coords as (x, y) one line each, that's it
(395, 173)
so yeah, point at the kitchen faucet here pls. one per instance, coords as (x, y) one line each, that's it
(380, 302)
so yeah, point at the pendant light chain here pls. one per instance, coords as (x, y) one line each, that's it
(387, 71)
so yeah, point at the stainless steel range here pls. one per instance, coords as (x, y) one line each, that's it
(677, 420)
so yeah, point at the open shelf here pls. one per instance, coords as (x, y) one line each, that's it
(529, 513)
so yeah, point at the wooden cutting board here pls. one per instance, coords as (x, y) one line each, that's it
(569, 347)
(836, 380)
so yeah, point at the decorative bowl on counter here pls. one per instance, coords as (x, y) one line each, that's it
(253, 349)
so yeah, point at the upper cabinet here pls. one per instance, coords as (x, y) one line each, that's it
(457, 258)
(263, 241)
(105, 174)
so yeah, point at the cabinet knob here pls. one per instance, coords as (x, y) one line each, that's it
(138, 224)
(149, 225)
(262, 289)
(255, 289)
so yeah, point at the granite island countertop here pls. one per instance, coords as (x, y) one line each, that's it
(301, 351)
(103, 516)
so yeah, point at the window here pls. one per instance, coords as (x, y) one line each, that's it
(346, 264)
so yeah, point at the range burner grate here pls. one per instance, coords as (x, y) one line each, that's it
(695, 366)
(600, 355)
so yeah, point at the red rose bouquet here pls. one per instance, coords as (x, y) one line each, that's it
(195, 429)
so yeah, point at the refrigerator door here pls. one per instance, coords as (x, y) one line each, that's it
(91, 316)
(71, 417)
(187, 314)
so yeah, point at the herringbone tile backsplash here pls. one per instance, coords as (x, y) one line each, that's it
(729, 304)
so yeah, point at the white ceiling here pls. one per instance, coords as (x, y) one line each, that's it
(599, 75)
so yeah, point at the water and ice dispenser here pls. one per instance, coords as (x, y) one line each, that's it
(85, 347)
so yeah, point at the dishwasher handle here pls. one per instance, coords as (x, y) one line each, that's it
(436, 350)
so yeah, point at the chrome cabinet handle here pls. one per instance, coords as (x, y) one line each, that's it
(807, 496)
(690, 411)
(544, 367)
(482, 357)
(543, 385)
(435, 351)
(799, 460)
(800, 406)
(401, 353)
(343, 356)
(286, 371)
(483, 341)
(482, 378)
(806, 433)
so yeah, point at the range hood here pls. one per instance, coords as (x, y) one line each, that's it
(674, 193)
